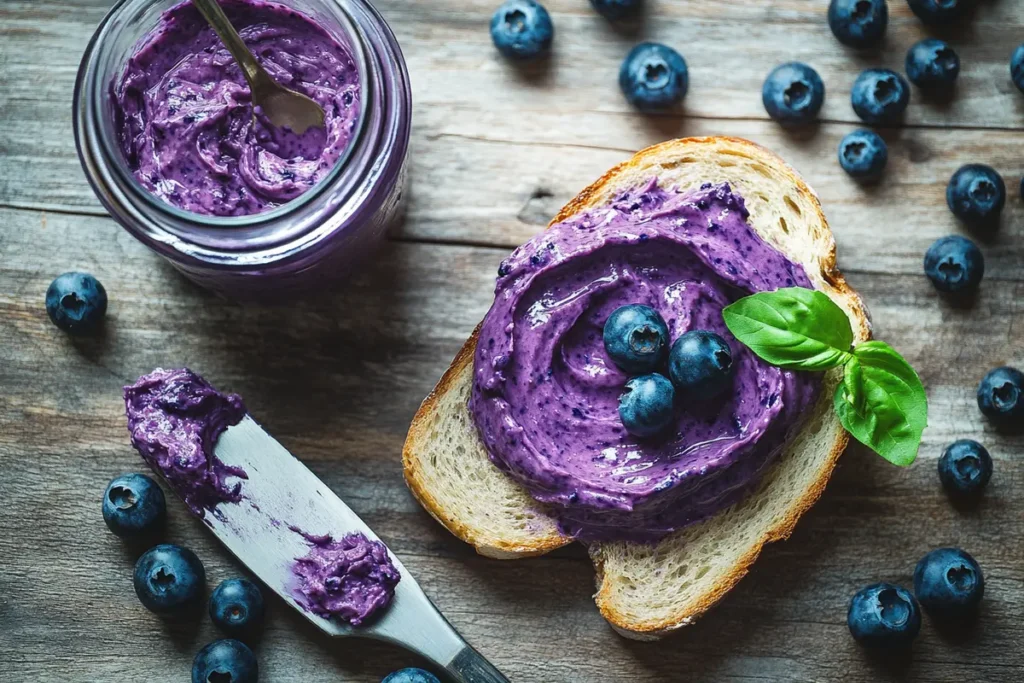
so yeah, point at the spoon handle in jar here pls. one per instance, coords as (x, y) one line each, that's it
(214, 14)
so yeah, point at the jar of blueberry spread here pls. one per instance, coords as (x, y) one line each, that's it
(175, 149)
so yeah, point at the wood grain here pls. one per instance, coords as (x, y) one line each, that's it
(495, 153)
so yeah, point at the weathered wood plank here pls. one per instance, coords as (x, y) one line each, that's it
(337, 381)
(495, 153)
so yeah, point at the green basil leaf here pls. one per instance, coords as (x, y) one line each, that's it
(853, 380)
(796, 328)
(895, 405)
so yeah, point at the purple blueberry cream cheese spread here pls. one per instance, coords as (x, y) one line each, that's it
(545, 394)
(350, 579)
(175, 418)
(186, 120)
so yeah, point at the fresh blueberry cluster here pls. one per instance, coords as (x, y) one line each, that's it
(976, 195)
(948, 584)
(654, 76)
(170, 579)
(699, 366)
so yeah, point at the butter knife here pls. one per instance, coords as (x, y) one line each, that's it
(281, 492)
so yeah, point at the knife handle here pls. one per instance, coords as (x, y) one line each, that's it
(469, 666)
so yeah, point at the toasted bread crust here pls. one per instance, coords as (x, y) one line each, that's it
(592, 196)
(495, 548)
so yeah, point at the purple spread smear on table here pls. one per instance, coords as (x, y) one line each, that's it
(545, 394)
(184, 112)
(175, 418)
(351, 579)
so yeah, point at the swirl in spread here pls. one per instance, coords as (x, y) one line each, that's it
(186, 121)
(545, 395)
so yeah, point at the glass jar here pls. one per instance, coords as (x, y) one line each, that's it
(313, 240)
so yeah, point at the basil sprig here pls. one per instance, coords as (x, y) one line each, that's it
(880, 402)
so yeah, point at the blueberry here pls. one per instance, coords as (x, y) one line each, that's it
(646, 405)
(653, 76)
(411, 676)
(1001, 396)
(932, 64)
(858, 23)
(949, 583)
(793, 93)
(880, 96)
(133, 505)
(965, 468)
(617, 9)
(76, 303)
(1017, 68)
(225, 661)
(976, 194)
(863, 154)
(884, 616)
(236, 606)
(954, 264)
(700, 365)
(522, 29)
(168, 578)
(636, 338)
(938, 11)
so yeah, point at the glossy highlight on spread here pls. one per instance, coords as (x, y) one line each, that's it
(545, 394)
(187, 125)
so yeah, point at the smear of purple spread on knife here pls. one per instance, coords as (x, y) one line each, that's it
(175, 418)
(351, 579)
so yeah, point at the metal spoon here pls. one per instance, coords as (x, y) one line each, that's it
(283, 107)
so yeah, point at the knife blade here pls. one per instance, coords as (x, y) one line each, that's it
(281, 492)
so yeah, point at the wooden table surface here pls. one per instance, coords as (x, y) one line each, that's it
(495, 152)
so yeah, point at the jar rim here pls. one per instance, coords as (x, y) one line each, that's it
(354, 43)
(265, 236)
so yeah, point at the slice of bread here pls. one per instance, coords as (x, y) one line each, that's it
(646, 591)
